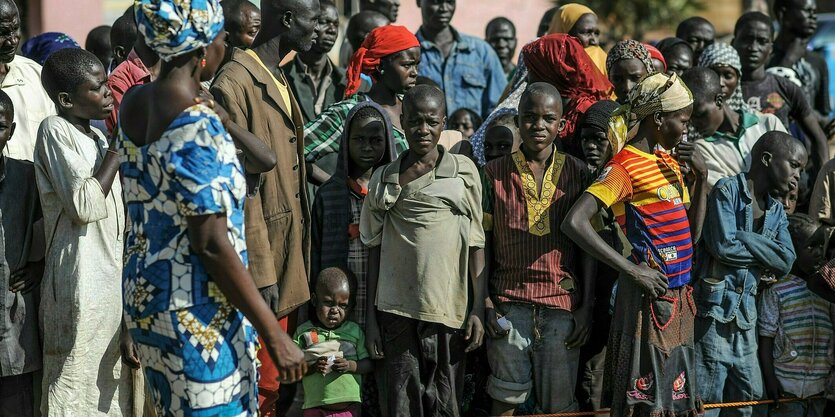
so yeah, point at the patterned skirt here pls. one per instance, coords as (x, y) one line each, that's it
(199, 361)
(650, 356)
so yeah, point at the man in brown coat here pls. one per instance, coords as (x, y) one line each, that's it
(255, 92)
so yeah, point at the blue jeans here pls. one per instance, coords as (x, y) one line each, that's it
(533, 358)
(727, 366)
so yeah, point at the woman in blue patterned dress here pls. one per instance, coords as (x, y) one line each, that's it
(185, 275)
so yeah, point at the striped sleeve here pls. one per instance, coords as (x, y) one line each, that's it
(769, 316)
(612, 186)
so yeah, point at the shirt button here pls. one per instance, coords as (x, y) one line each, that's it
(739, 290)
(293, 139)
(793, 354)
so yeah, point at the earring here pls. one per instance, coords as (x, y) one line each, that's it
(382, 71)
(203, 62)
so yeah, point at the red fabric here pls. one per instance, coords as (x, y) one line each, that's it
(654, 53)
(381, 42)
(358, 189)
(560, 60)
(268, 378)
(129, 73)
(353, 231)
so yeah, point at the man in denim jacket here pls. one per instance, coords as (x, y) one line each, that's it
(466, 68)
(745, 240)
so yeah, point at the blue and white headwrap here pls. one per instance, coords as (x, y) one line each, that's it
(507, 106)
(176, 27)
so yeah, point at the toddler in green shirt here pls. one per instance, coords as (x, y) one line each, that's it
(335, 350)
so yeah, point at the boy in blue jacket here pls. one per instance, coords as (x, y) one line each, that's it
(746, 240)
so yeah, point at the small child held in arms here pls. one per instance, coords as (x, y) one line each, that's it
(795, 328)
(335, 349)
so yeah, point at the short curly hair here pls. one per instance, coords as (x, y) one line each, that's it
(67, 69)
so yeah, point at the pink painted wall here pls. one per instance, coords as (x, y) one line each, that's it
(77, 17)
(471, 16)
(73, 17)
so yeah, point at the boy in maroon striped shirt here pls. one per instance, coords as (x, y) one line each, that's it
(538, 322)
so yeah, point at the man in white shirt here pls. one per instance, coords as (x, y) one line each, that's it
(20, 78)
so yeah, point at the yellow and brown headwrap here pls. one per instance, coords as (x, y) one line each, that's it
(655, 93)
(565, 19)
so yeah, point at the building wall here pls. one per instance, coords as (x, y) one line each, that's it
(74, 17)
(471, 16)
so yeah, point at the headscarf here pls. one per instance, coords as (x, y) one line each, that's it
(723, 55)
(567, 16)
(598, 56)
(39, 48)
(508, 105)
(654, 53)
(565, 19)
(560, 60)
(380, 42)
(176, 27)
(655, 93)
(629, 49)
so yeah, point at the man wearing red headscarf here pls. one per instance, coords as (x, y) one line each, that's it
(561, 61)
(389, 55)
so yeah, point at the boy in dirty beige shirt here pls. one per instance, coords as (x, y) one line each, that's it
(422, 219)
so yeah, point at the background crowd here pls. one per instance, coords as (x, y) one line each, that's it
(203, 212)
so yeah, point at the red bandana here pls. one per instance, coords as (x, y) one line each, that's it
(359, 190)
(381, 42)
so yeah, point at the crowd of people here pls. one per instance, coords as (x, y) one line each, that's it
(203, 214)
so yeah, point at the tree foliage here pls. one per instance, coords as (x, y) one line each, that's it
(633, 18)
